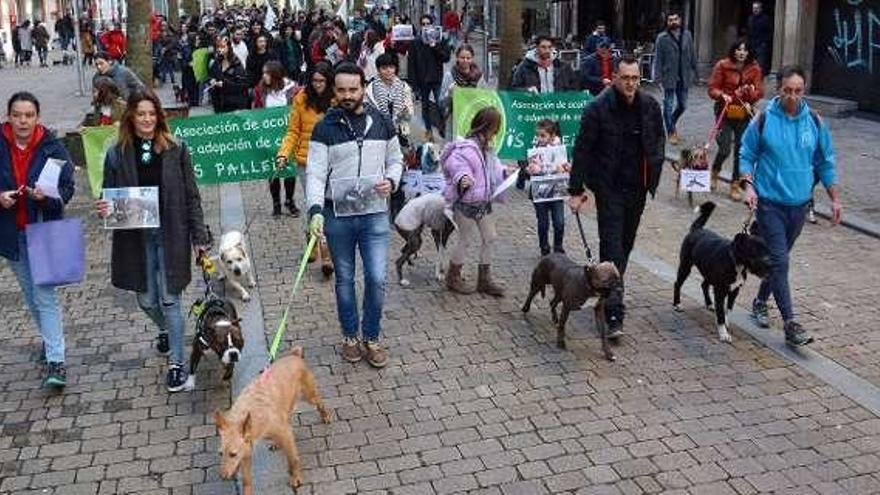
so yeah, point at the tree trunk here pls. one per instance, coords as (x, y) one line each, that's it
(173, 14)
(192, 7)
(140, 57)
(511, 40)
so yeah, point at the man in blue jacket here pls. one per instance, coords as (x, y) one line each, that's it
(781, 151)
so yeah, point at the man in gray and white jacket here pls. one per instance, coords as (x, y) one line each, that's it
(675, 65)
(355, 163)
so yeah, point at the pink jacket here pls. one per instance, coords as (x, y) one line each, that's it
(464, 157)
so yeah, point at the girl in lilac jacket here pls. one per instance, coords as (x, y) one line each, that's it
(473, 172)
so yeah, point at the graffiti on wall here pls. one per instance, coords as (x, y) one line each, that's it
(856, 42)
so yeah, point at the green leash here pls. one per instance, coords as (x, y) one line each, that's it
(282, 325)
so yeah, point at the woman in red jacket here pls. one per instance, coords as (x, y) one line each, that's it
(737, 82)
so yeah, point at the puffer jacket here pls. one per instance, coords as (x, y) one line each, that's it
(299, 129)
(334, 154)
(727, 78)
(464, 157)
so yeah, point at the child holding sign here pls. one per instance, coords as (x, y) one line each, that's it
(548, 165)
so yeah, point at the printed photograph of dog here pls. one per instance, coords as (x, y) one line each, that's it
(235, 264)
(218, 328)
(573, 285)
(262, 412)
(426, 211)
(132, 208)
(723, 263)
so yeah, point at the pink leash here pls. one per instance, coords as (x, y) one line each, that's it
(714, 132)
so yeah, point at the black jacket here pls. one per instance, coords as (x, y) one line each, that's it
(598, 144)
(255, 63)
(233, 95)
(291, 57)
(526, 75)
(182, 220)
(426, 63)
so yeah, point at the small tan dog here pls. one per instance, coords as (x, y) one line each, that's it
(262, 411)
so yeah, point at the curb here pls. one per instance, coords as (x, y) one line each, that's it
(269, 470)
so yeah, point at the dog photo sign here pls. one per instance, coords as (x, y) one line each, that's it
(694, 180)
(433, 183)
(132, 208)
(357, 196)
(411, 183)
(552, 187)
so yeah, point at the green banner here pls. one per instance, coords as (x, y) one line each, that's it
(228, 147)
(520, 112)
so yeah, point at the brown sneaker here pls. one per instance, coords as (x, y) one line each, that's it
(351, 350)
(377, 355)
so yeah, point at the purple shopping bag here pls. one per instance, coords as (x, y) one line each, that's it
(56, 252)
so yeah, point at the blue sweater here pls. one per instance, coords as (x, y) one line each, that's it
(784, 158)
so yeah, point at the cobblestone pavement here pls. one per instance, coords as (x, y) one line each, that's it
(114, 429)
(56, 87)
(478, 399)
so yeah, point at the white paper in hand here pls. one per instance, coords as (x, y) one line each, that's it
(47, 182)
(506, 184)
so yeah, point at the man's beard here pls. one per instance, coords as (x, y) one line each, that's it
(350, 105)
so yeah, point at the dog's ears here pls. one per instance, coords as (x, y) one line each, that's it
(297, 351)
(247, 428)
(220, 419)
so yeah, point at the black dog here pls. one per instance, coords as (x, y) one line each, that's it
(573, 285)
(723, 263)
(218, 328)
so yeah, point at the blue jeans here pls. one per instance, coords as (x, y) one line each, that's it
(43, 303)
(674, 103)
(425, 96)
(780, 226)
(160, 306)
(369, 234)
(544, 212)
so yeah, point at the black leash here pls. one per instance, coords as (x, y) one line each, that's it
(577, 217)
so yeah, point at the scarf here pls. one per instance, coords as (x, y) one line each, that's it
(395, 94)
(467, 79)
(21, 164)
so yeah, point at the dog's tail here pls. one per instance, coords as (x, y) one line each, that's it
(706, 210)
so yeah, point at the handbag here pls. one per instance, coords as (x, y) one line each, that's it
(56, 252)
(735, 111)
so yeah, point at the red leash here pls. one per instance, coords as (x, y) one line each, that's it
(717, 128)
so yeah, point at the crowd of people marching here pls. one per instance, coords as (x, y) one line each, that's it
(350, 113)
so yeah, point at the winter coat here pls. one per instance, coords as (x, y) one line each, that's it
(254, 66)
(51, 208)
(181, 218)
(667, 62)
(125, 80)
(290, 53)
(114, 43)
(87, 38)
(334, 154)
(591, 73)
(598, 144)
(25, 38)
(786, 154)
(233, 95)
(41, 36)
(464, 157)
(272, 98)
(527, 75)
(300, 124)
(426, 63)
(727, 78)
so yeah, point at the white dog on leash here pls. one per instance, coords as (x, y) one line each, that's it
(235, 264)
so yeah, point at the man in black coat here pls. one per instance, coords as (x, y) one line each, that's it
(426, 59)
(618, 155)
(760, 36)
(597, 69)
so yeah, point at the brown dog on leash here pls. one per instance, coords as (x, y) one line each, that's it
(262, 411)
(573, 285)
